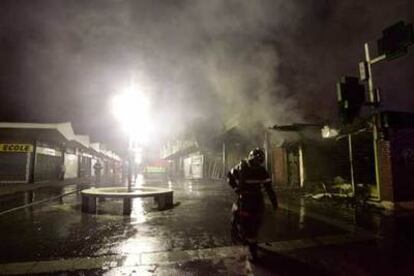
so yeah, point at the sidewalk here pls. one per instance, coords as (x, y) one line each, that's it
(12, 188)
(14, 196)
(230, 260)
(301, 238)
(376, 243)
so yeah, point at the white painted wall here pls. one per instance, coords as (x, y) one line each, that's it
(193, 167)
(92, 165)
(71, 165)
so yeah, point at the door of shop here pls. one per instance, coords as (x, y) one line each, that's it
(293, 166)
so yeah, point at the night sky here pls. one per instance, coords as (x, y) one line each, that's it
(272, 61)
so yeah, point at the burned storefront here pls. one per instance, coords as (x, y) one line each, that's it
(379, 162)
(299, 158)
(302, 158)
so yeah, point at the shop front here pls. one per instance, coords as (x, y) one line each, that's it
(15, 162)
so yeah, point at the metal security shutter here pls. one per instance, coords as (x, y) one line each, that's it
(47, 167)
(85, 166)
(14, 167)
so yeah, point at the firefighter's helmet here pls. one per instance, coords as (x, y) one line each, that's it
(256, 156)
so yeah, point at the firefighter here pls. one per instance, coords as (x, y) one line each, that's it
(247, 179)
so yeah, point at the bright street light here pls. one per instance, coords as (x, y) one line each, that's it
(132, 108)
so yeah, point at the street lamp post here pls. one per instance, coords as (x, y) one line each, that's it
(130, 162)
(131, 107)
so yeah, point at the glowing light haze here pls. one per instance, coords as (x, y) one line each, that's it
(132, 108)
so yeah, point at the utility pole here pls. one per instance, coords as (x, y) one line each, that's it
(374, 100)
(391, 45)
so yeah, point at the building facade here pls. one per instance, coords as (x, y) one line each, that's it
(47, 152)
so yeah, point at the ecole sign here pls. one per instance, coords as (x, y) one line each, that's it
(16, 148)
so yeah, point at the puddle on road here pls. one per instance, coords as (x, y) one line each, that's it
(140, 209)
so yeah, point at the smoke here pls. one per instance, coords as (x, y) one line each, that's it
(268, 62)
(222, 61)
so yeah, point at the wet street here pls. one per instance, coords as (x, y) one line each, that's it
(303, 236)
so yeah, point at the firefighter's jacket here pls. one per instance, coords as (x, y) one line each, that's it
(248, 181)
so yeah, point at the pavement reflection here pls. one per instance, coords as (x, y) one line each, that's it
(194, 236)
